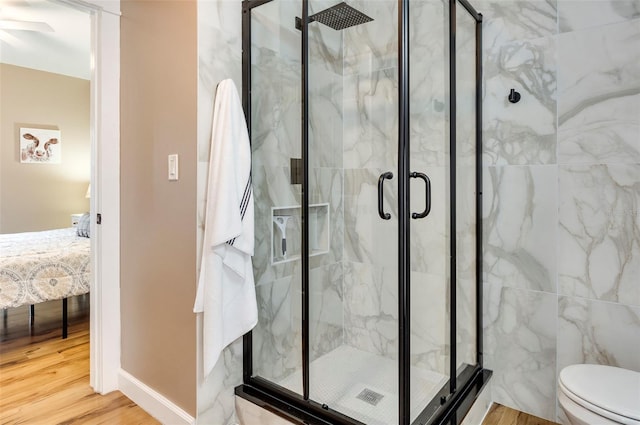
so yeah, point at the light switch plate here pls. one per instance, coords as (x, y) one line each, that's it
(173, 167)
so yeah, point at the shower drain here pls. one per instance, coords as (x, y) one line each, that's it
(369, 396)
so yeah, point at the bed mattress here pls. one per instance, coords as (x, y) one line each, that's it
(42, 266)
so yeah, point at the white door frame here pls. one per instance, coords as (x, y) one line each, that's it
(105, 191)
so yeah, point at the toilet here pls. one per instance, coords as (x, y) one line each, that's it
(599, 395)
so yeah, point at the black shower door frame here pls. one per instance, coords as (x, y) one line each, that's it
(455, 398)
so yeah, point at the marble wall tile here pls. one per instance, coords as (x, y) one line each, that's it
(520, 216)
(480, 407)
(325, 43)
(371, 120)
(371, 308)
(522, 133)
(599, 233)
(598, 332)
(599, 95)
(326, 312)
(275, 109)
(368, 238)
(430, 322)
(520, 348)
(276, 337)
(273, 28)
(429, 76)
(215, 393)
(252, 414)
(574, 15)
(374, 45)
(430, 235)
(219, 57)
(326, 186)
(505, 21)
(325, 117)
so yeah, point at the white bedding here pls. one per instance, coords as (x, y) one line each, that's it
(43, 266)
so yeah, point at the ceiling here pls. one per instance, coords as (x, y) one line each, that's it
(65, 50)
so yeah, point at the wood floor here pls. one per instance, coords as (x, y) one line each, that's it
(44, 380)
(502, 415)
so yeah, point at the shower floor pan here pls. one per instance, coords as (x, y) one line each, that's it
(364, 385)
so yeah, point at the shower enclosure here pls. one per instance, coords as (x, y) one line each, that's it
(365, 124)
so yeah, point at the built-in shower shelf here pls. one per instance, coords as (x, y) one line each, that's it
(287, 220)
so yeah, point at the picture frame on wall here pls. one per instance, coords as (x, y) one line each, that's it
(40, 146)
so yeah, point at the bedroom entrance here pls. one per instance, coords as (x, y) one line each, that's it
(58, 133)
(46, 144)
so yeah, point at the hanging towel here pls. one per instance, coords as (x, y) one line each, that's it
(226, 293)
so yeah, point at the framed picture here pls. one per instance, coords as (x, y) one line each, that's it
(40, 146)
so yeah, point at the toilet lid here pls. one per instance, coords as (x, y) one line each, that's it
(609, 388)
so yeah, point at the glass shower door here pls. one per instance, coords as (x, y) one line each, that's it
(430, 203)
(275, 117)
(353, 258)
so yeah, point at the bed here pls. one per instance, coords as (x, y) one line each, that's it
(44, 266)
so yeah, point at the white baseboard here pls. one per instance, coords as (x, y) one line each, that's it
(153, 402)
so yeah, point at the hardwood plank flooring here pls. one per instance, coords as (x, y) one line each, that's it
(502, 415)
(44, 379)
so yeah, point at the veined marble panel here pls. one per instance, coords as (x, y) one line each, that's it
(598, 332)
(374, 45)
(371, 120)
(219, 57)
(525, 132)
(277, 336)
(275, 109)
(325, 43)
(371, 308)
(326, 311)
(368, 238)
(599, 232)
(520, 216)
(251, 414)
(429, 322)
(326, 186)
(505, 21)
(429, 84)
(599, 95)
(430, 235)
(325, 117)
(520, 348)
(216, 391)
(576, 15)
(466, 261)
(273, 28)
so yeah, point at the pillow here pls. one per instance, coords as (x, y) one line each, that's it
(83, 225)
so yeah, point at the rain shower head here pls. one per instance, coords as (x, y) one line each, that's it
(340, 16)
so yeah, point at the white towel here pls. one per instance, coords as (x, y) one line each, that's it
(226, 292)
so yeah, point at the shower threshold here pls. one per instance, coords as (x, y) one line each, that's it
(339, 377)
(357, 387)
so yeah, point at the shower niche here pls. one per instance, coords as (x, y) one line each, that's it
(286, 228)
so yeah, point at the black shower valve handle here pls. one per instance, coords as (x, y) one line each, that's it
(514, 96)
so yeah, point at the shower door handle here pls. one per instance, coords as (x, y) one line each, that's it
(388, 175)
(427, 185)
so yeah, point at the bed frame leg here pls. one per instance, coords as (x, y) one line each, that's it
(4, 317)
(65, 320)
(32, 315)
